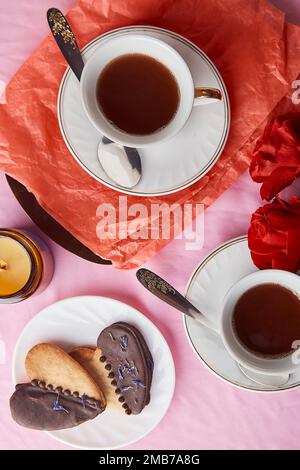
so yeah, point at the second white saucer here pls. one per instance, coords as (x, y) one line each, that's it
(206, 289)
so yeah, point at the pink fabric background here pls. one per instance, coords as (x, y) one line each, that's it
(197, 418)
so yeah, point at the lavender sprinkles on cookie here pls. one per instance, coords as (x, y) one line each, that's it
(57, 406)
(124, 343)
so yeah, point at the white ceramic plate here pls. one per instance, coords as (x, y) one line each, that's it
(206, 289)
(78, 321)
(167, 167)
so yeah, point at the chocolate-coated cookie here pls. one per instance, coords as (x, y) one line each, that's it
(36, 406)
(127, 358)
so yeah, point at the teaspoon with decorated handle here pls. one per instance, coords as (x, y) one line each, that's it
(167, 293)
(121, 164)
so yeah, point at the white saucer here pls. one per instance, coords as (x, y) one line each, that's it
(167, 167)
(206, 289)
(78, 321)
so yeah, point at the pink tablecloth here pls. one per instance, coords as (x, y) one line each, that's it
(206, 413)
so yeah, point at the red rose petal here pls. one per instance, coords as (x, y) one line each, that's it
(274, 235)
(279, 179)
(276, 157)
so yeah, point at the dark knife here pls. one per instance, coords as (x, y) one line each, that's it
(65, 40)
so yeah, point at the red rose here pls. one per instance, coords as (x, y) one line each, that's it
(276, 157)
(274, 235)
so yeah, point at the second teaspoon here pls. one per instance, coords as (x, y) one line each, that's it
(121, 164)
(167, 293)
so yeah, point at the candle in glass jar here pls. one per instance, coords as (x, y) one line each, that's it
(26, 265)
(15, 266)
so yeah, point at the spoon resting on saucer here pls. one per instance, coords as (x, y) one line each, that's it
(164, 291)
(263, 379)
(125, 170)
(121, 164)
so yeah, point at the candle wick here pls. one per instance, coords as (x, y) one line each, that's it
(3, 265)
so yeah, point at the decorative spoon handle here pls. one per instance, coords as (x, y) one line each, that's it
(67, 44)
(164, 291)
(65, 40)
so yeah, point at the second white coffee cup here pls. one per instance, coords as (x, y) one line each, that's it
(286, 364)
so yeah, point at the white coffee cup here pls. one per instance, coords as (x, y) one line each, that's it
(112, 48)
(268, 366)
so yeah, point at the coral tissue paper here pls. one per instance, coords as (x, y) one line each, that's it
(256, 51)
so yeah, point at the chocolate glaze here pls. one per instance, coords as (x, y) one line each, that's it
(127, 353)
(143, 344)
(48, 410)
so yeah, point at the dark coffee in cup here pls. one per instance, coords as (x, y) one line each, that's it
(137, 94)
(266, 320)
